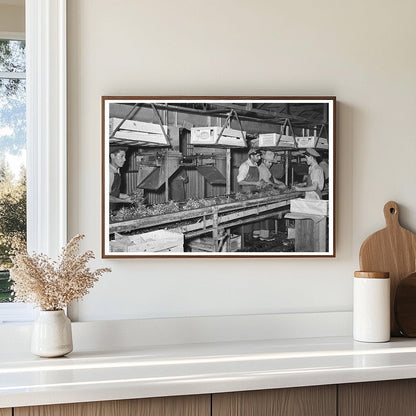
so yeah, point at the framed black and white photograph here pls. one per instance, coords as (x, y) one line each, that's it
(218, 176)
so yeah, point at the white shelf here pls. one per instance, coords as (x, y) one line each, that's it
(151, 371)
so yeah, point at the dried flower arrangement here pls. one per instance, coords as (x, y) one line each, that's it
(53, 285)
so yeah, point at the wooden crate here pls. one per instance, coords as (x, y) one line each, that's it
(233, 243)
(310, 232)
(206, 244)
(310, 235)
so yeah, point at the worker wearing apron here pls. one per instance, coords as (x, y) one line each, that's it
(248, 179)
(316, 179)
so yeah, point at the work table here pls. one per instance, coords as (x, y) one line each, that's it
(199, 368)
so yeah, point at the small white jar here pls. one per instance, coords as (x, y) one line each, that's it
(371, 309)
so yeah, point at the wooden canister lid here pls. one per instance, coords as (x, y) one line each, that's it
(372, 275)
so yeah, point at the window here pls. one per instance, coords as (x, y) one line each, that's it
(12, 155)
(46, 135)
(12, 166)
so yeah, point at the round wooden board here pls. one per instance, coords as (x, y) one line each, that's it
(405, 306)
(392, 250)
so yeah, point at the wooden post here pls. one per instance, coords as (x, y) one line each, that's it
(166, 175)
(215, 227)
(228, 172)
(287, 168)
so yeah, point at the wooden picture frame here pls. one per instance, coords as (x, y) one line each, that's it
(181, 176)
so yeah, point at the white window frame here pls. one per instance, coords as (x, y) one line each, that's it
(15, 312)
(46, 134)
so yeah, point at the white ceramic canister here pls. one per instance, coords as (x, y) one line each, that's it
(371, 309)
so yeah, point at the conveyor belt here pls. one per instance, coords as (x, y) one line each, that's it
(203, 219)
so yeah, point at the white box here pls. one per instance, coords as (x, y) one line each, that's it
(153, 241)
(306, 141)
(134, 125)
(272, 140)
(137, 132)
(208, 136)
(322, 143)
(139, 137)
(309, 206)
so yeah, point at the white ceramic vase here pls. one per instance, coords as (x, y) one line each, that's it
(52, 334)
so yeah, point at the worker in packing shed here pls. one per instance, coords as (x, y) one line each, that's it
(117, 161)
(266, 177)
(316, 179)
(248, 179)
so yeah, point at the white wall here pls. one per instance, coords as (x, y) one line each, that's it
(363, 52)
(12, 17)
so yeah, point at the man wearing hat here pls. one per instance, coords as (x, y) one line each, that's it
(266, 177)
(248, 176)
(248, 179)
(313, 190)
(117, 160)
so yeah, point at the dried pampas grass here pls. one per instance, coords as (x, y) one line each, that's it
(53, 285)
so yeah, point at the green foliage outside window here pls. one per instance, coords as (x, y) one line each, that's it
(12, 147)
(6, 294)
(12, 224)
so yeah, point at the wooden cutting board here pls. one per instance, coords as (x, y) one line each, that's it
(392, 250)
(405, 306)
